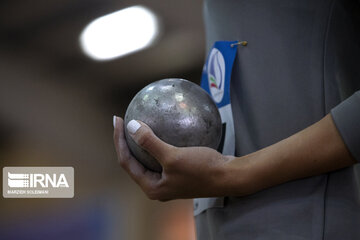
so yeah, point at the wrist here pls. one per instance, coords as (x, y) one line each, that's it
(237, 176)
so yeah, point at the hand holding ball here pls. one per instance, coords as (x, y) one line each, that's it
(179, 112)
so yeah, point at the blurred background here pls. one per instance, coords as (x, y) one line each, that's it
(57, 100)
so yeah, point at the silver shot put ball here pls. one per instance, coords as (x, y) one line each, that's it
(179, 112)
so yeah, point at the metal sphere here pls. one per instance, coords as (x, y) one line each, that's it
(179, 112)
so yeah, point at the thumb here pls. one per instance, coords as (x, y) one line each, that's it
(147, 140)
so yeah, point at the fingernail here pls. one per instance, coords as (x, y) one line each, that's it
(133, 126)
(114, 121)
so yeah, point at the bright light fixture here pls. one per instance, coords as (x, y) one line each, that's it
(119, 33)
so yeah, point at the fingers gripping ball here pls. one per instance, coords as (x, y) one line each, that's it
(179, 112)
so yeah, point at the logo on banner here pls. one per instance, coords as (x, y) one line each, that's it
(216, 74)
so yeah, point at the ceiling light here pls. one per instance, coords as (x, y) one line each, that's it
(119, 33)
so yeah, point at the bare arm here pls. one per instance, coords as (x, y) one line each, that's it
(203, 172)
(315, 150)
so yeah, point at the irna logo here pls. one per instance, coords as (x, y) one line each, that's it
(38, 182)
(19, 180)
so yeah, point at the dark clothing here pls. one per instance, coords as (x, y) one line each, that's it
(302, 60)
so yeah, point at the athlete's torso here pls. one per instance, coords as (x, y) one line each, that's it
(301, 60)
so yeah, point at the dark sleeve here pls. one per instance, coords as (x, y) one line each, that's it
(346, 116)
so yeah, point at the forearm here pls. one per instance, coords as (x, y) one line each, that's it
(315, 150)
(190, 172)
